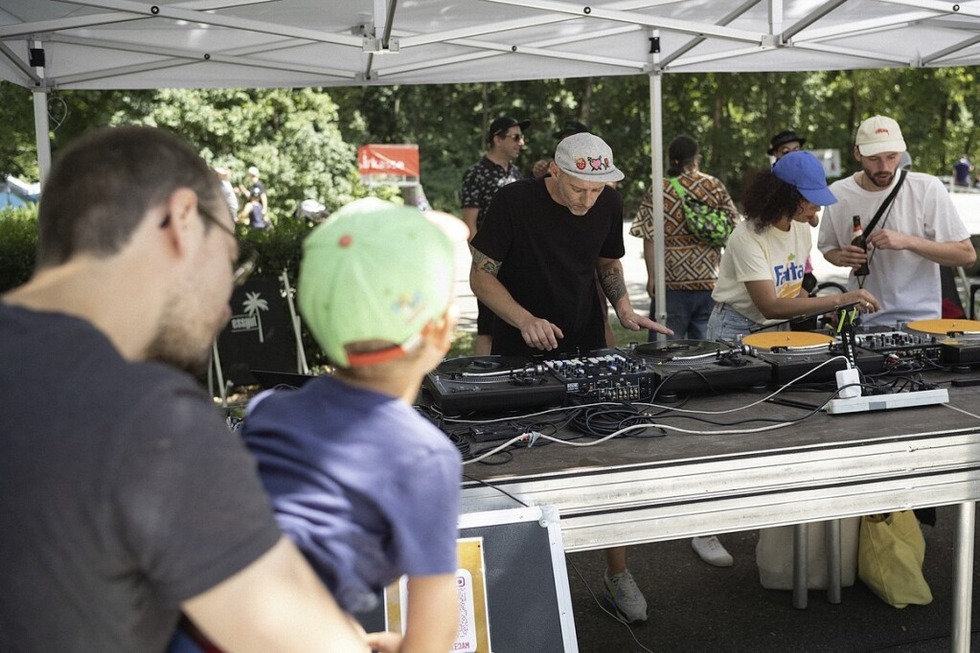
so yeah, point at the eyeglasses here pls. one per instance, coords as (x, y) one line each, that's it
(248, 256)
(518, 138)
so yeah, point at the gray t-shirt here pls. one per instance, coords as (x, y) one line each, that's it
(122, 492)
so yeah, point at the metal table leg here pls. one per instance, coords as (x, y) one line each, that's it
(799, 567)
(963, 577)
(833, 561)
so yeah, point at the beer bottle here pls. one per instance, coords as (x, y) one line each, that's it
(859, 241)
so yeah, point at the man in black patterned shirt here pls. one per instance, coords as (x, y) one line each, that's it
(482, 180)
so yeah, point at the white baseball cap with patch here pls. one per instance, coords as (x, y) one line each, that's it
(587, 157)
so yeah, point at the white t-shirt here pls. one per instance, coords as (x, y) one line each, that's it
(907, 285)
(779, 256)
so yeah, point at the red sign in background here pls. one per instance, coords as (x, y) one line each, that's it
(388, 160)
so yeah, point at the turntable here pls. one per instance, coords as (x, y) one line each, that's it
(787, 340)
(958, 340)
(952, 328)
(698, 366)
(794, 353)
(487, 383)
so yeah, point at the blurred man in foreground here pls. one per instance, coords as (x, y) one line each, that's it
(124, 499)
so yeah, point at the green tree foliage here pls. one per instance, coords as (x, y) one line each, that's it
(304, 141)
(292, 136)
(18, 245)
(18, 152)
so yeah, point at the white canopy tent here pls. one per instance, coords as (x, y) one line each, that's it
(117, 44)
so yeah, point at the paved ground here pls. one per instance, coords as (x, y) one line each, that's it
(695, 607)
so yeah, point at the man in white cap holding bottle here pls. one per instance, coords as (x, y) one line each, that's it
(916, 233)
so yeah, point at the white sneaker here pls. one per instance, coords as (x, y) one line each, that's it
(712, 551)
(626, 597)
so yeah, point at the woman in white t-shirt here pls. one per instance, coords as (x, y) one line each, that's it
(761, 277)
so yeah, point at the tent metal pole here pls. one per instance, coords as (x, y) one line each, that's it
(42, 133)
(657, 159)
(42, 130)
(218, 377)
(301, 365)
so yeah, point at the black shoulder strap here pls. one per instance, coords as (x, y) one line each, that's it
(884, 205)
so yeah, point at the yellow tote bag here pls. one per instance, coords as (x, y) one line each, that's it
(890, 554)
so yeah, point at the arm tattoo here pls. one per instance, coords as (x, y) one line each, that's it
(613, 284)
(484, 263)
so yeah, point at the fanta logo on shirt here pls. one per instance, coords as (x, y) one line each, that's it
(788, 273)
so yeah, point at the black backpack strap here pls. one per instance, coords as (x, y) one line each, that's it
(884, 205)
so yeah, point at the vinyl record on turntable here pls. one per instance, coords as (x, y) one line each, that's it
(788, 339)
(677, 350)
(942, 327)
(481, 365)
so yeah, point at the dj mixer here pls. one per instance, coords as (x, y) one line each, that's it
(603, 375)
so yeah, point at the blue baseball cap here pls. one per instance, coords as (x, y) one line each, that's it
(804, 172)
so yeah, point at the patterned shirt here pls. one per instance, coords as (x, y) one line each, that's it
(689, 264)
(482, 181)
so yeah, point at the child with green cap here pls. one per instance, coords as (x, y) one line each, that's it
(366, 487)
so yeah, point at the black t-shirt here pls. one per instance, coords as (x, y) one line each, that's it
(548, 262)
(481, 182)
(122, 492)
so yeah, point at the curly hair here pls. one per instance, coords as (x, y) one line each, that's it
(767, 199)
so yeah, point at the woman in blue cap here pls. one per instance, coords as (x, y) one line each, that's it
(760, 281)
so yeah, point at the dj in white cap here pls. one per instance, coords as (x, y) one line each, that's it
(915, 234)
(542, 244)
(536, 257)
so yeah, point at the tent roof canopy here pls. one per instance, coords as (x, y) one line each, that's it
(104, 44)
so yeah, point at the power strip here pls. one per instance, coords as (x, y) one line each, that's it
(887, 402)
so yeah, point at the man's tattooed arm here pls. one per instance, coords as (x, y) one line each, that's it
(486, 264)
(613, 284)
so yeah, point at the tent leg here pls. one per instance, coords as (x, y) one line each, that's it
(215, 368)
(301, 365)
(42, 134)
(656, 159)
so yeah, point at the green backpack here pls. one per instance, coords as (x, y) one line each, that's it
(709, 224)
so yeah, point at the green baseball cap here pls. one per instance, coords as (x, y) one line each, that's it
(374, 271)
